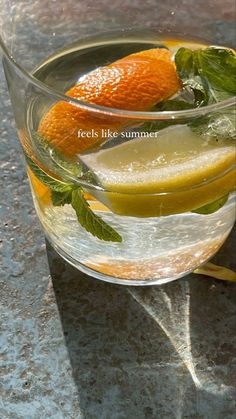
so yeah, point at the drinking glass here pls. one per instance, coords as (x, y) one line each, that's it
(46, 47)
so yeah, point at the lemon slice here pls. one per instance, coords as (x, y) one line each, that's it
(167, 172)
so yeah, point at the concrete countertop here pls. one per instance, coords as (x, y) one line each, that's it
(74, 347)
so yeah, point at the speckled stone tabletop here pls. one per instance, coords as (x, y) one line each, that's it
(73, 347)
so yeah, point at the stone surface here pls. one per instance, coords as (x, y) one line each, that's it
(74, 347)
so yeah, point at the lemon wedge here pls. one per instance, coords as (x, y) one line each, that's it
(168, 172)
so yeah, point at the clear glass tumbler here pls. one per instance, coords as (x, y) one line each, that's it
(125, 195)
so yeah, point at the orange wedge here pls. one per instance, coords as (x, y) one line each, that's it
(135, 83)
(42, 191)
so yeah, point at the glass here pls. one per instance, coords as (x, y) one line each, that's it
(162, 238)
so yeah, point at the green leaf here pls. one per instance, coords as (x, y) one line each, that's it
(184, 62)
(211, 74)
(58, 163)
(65, 193)
(212, 207)
(200, 90)
(90, 221)
(218, 66)
(55, 185)
(213, 68)
(203, 75)
(188, 72)
(55, 160)
(61, 198)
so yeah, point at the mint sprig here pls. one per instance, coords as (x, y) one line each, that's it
(54, 184)
(54, 160)
(218, 66)
(90, 221)
(208, 76)
(214, 69)
(66, 193)
(61, 198)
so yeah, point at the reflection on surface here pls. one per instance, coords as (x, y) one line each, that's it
(172, 314)
(165, 352)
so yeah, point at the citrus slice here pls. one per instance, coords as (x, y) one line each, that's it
(136, 83)
(173, 172)
(42, 191)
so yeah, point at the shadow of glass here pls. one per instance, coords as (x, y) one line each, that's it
(213, 338)
(148, 352)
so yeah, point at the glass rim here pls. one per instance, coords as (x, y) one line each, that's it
(120, 113)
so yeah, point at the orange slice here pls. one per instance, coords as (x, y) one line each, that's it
(135, 83)
(41, 190)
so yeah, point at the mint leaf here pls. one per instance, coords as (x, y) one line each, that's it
(184, 61)
(218, 66)
(65, 193)
(188, 71)
(203, 75)
(211, 74)
(54, 159)
(58, 163)
(212, 207)
(195, 92)
(174, 105)
(90, 221)
(213, 68)
(55, 185)
(199, 89)
(61, 198)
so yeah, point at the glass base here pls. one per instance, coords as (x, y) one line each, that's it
(154, 251)
(107, 278)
